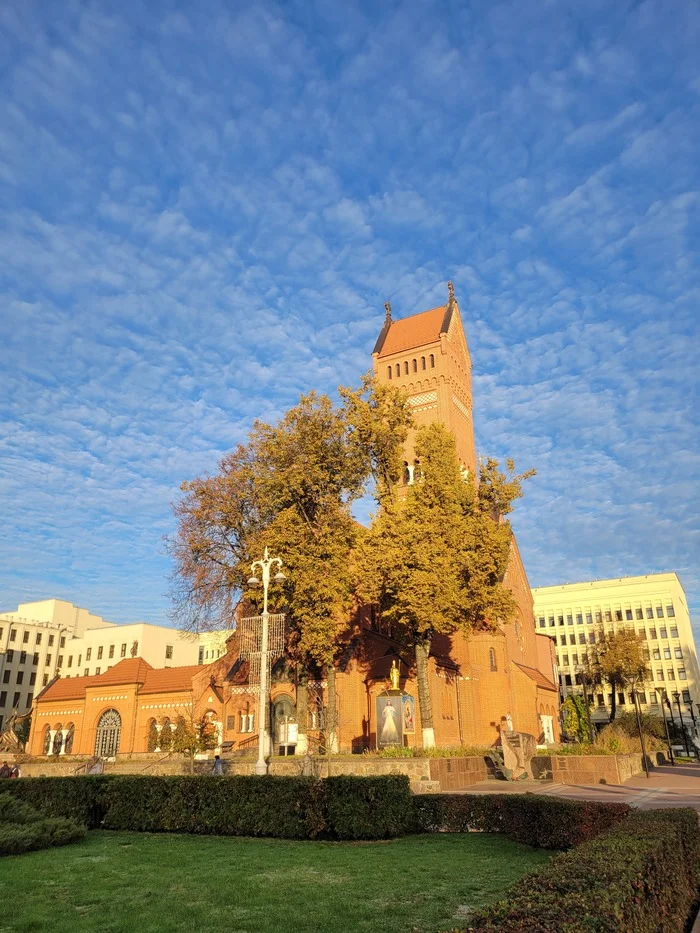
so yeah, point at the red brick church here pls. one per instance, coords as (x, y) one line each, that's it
(479, 685)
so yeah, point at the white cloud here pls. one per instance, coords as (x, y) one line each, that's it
(205, 211)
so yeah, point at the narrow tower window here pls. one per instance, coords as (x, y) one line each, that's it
(398, 370)
(432, 361)
(388, 372)
(415, 366)
(422, 362)
(492, 660)
(405, 368)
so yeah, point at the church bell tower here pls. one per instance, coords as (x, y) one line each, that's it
(426, 355)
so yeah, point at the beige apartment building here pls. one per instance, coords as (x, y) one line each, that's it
(577, 615)
(33, 641)
(42, 640)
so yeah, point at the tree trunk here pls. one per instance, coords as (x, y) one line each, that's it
(424, 704)
(613, 705)
(331, 712)
(302, 713)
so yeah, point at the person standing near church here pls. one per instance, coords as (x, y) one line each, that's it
(218, 768)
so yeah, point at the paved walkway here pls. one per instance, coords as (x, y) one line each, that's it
(667, 786)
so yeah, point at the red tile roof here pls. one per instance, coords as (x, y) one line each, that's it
(168, 679)
(128, 671)
(537, 676)
(415, 331)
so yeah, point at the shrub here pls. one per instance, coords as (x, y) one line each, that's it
(575, 712)
(536, 820)
(642, 875)
(23, 828)
(282, 807)
(369, 807)
(76, 798)
(652, 726)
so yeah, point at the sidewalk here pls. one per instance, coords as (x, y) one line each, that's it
(666, 787)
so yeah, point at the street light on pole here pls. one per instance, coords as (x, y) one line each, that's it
(677, 698)
(695, 727)
(668, 737)
(265, 565)
(667, 701)
(645, 761)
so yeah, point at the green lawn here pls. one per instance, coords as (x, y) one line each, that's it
(145, 882)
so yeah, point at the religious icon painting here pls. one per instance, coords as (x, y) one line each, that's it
(408, 714)
(389, 721)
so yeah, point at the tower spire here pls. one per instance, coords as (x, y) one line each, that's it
(387, 313)
(450, 292)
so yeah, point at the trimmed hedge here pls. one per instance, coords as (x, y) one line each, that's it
(280, 807)
(545, 822)
(23, 828)
(643, 875)
(369, 807)
(77, 798)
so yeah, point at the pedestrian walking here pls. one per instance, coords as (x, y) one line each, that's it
(218, 768)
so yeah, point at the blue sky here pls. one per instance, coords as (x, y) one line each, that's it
(204, 206)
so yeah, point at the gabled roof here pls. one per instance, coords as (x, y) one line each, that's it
(415, 331)
(169, 679)
(537, 676)
(128, 671)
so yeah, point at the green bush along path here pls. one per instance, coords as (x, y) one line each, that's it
(118, 881)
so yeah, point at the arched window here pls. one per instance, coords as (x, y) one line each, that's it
(492, 660)
(388, 372)
(432, 361)
(422, 362)
(415, 366)
(166, 734)
(109, 730)
(152, 737)
(398, 370)
(405, 368)
(68, 747)
(57, 740)
(47, 741)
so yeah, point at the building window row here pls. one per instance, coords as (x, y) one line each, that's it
(607, 615)
(395, 370)
(25, 636)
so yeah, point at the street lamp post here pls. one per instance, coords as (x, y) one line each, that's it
(668, 737)
(645, 762)
(265, 566)
(670, 708)
(695, 728)
(677, 698)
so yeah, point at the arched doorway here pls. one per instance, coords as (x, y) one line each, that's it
(108, 732)
(284, 730)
